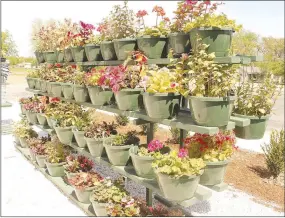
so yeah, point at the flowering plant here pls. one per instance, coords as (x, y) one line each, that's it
(129, 138)
(76, 164)
(100, 130)
(154, 149)
(84, 180)
(126, 208)
(82, 34)
(178, 166)
(218, 147)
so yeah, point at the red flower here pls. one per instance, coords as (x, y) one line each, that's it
(73, 66)
(207, 2)
(58, 65)
(52, 100)
(141, 13)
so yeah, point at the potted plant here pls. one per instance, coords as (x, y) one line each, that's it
(105, 192)
(78, 40)
(22, 131)
(255, 102)
(107, 35)
(215, 150)
(178, 175)
(162, 98)
(22, 102)
(55, 80)
(76, 164)
(34, 142)
(80, 91)
(142, 158)
(79, 126)
(152, 41)
(124, 31)
(83, 184)
(31, 110)
(214, 30)
(50, 110)
(118, 151)
(37, 43)
(32, 78)
(40, 110)
(208, 87)
(97, 135)
(92, 48)
(67, 74)
(127, 207)
(99, 95)
(55, 158)
(40, 152)
(44, 74)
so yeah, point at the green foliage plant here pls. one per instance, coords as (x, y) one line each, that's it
(56, 152)
(22, 129)
(122, 120)
(129, 138)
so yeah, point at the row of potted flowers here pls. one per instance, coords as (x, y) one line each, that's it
(119, 34)
(105, 196)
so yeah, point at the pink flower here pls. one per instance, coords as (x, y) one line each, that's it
(173, 85)
(154, 145)
(207, 2)
(141, 13)
(182, 152)
(191, 2)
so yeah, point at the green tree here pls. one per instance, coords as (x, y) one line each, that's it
(8, 46)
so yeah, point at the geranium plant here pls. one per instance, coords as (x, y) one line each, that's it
(84, 180)
(211, 148)
(76, 164)
(100, 130)
(129, 138)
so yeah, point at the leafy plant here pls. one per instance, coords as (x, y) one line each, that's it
(25, 100)
(211, 148)
(154, 149)
(128, 207)
(100, 130)
(79, 77)
(82, 122)
(175, 166)
(33, 74)
(56, 153)
(39, 149)
(62, 33)
(257, 99)
(94, 39)
(92, 77)
(22, 129)
(78, 163)
(33, 142)
(275, 152)
(105, 29)
(81, 35)
(129, 138)
(122, 120)
(84, 180)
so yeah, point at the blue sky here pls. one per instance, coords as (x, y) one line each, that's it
(266, 18)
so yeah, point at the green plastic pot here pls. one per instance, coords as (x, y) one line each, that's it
(37, 84)
(79, 137)
(142, 164)
(255, 130)
(67, 90)
(43, 85)
(99, 208)
(50, 56)
(48, 87)
(80, 93)
(41, 160)
(211, 111)
(177, 190)
(99, 96)
(129, 99)
(123, 47)
(218, 39)
(55, 169)
(153, 47)
(23, 110)
(118, 155)
(39, 57)
(59, 56)
(51, 122)
(214, 173)
(161, 105)
(78, 54)
(68, 55)
(32, 117)
(83, 195)
(56, 89)
(42, 119)
(31, 82)
(95, 146)
(32, 155)
(179, 42)
(108, 51)
(23, 142)
(93, 52)
(64, 134)
(17, 140)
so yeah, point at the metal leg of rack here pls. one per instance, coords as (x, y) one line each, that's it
(150, 135)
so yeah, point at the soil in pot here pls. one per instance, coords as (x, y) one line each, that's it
(55, 169)
(98, 96)
(43, 85)
(108, 51)
(218, 39)
(64, 134)
(118, 155)
(153, 47)
(214, 173)
(80, 93)
(180, 189)
(67, 90)
(32, 117)
(41, 160)
(161, 105)
(95, 146)
(211, 111)
(142, 164)
(56, 89)
(23, 142)
(68, 55)
(31, 82)
(39, 57)
(50, 56)
(180, 43)
(99, 208)
(23, 110)
(59, 56)
(255, 130)
(79, 137)
(84, 195)
(123, 47)
(129, 99)
(42, 119)
(93, 52)
(78, 54)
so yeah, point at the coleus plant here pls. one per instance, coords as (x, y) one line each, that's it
(84, 180)
(92, 77)
(39, 149)
(62, 30)
(78, 163)
(55, 151)
(25, 100)
(22, 129)
(100, 130)
(33, 142)
(154, 149)
(83, 32)
(105, 30)
(211, 148)
(46, 37)
(34, 74)
(129, 138)
(128, 207)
